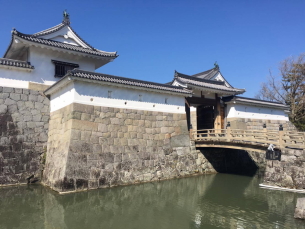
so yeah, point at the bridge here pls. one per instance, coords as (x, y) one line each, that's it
(257, 140)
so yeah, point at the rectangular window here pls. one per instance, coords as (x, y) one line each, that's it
(140, 98)
(109, 94)
(61, 68)
(165, 100)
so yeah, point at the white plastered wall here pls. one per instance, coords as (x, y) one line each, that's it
(121, 97)
(255, 112)
(44, 68)
(62, 97)
(14, 77)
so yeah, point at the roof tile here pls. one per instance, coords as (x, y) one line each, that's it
(16, 63)
(58, 44)
(212, 84)
(126, 81)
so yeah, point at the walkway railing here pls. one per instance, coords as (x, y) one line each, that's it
(280, 139)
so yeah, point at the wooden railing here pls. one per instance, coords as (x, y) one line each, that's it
(280, 139)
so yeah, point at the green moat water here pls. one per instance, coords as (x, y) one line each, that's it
(208, 201)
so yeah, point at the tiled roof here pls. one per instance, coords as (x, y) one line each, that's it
(255, 101)
(58, 44)
(212, 84)
(207, 74)
(122, 80)
(58, 27)
(16, 63)
(50, 30)
(126, 81)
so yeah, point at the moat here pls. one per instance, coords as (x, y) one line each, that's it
(207, 201)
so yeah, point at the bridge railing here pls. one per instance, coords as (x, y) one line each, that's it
(281, 139)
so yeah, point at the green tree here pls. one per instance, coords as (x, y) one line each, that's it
(288, 88)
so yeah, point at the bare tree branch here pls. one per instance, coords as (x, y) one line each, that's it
(288, 88)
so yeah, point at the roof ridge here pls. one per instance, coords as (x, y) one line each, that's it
(50, 30)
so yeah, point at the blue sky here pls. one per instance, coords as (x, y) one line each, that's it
(156, 37)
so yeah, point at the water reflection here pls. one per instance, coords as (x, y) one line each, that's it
(211, 201)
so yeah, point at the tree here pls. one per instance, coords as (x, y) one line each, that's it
(288, 88)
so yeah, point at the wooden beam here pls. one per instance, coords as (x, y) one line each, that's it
(230, 147)
(201, 101)
(186, 102)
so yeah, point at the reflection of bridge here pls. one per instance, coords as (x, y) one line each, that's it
(257, 140)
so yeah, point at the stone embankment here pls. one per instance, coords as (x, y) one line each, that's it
(287, 173)
(92, 147)
(24, 118)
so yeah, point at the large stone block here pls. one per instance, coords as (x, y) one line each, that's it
(12, 108)
(87, 109)
(3, 108)
(7, 89)
(102, 127)
(15, 96)
(180, 141)
(84, 125)
(9, 101)
(300, 209)
(38, 105)
(29, 104)
(85, 135)
(86, 117)
(33, 98)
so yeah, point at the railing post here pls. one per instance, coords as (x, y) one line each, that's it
(265, 131)
(281, 134)
(229, 132)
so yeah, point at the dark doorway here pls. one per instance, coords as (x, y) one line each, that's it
(232, 161)
(205, 117)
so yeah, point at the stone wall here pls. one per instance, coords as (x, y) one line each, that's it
(193, 119)
(257, 124)
(287, 173)
(93, 147)
(24, 118)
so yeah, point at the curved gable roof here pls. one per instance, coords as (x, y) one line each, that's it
(39, 37)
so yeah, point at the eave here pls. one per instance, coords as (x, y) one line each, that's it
(212, 90)
(41, 45)
(254, 102)
(120, 83)
(16, 65)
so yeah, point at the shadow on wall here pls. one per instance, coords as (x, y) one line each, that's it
(231, 161)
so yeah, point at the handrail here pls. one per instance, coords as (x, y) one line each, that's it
(280, 139)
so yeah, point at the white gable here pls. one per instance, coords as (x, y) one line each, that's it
(65, 35)
(178, 84)
(219, 77)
